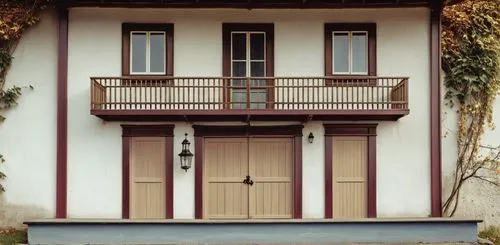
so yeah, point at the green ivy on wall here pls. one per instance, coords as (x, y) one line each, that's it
(470, 60)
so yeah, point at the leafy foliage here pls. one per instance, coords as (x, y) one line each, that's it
(15, 18)
(12, 236)
(2, 175)
(491, 233)
(470, 59)
(5, 59)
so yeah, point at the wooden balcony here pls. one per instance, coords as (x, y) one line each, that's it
(244, 99)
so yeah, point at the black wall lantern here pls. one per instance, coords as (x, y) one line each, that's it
(310, 138)
(186, 155)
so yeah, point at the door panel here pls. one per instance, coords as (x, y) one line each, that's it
(349, 177)
(225, 166)
(147, 178)
(270, 165)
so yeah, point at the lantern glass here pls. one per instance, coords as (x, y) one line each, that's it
(310, 137)
(186, 161)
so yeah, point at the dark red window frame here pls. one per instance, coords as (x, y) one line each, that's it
(267, 28)
(371, 29)
(169, 45)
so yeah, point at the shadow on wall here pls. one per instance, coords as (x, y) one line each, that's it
(15, 215)
(478, 199)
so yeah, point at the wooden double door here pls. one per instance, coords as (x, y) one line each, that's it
(248, 178)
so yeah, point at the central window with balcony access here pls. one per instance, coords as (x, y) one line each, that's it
(248, 59)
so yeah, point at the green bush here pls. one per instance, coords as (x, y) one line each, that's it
(10, 236)
(491, 233)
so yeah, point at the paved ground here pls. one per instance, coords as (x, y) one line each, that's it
(306, 244)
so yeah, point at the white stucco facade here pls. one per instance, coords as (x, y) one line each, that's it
(28, 136)
(95, 147)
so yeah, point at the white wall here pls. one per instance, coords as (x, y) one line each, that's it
(313, 171)
(183, 181)
(28, 136)
(403, 160)
(94, 146)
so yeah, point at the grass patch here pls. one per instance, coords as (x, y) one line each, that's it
(10, 236)
(491, 233)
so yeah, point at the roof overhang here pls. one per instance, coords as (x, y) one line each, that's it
(453, 2)
(249, 4)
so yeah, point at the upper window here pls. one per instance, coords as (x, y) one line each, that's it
(350, 49)
(248, 54)
(350, 53)
(147, 49)
(248, 58)
(147, 52)
(248, 50)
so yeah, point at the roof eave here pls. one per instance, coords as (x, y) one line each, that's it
(453, 2)
(249, 4)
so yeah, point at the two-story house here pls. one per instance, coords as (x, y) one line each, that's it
(303, 109)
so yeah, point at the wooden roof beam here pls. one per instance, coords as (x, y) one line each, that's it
(251, 4)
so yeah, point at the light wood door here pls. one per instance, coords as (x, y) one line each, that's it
(147, 178)
(349, 177)
(225, 166)
(270, 168)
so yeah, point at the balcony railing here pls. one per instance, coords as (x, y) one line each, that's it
(230, 95)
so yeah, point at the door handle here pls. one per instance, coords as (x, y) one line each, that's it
(247, 180)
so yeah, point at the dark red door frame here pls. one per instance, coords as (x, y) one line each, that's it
(62, 114)
(368, 130)
(435, 106)
(130, 131)
(294, 131)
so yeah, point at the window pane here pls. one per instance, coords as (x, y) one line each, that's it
(239, 69)
(138, 44)
(255, 83)
(340, 52)
(238, 99)
(257, 69)
(359, 52)
(258, 95)
(157, 52)
(239, 83)
(257, 46)
(239, 46)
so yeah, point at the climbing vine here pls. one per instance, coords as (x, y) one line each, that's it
(15, 18)
(470, 60)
